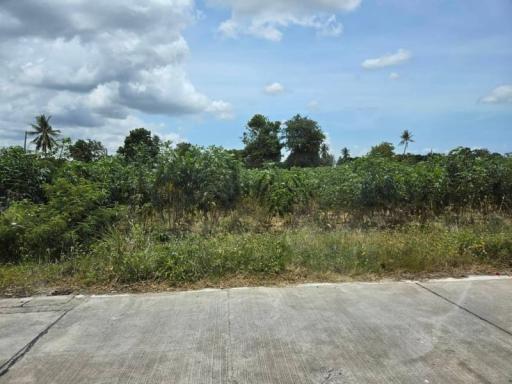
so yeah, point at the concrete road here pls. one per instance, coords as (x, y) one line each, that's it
(407, 332)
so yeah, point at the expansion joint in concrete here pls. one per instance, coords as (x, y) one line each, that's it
(4, 368)
(465, 309)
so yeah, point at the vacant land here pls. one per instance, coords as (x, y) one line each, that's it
(191, 217)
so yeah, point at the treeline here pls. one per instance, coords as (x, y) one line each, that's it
(263, 139)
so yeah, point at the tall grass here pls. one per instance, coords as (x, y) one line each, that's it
(134, 253)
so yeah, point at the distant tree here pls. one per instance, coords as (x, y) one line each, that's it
(382, 150)
(45, 135)
(140, 144)
(303, 137)
(406, 138)
(87, 151)
(326, 158)
(261, 139)
(345, 156)
(183, 148)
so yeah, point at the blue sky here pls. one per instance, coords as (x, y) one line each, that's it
(448, 76)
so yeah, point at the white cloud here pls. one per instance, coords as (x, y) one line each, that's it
(394, 76)
(267, 18)
(95, 68)
(221, 109)
(387, 60)
(274, 89)
(499, 95)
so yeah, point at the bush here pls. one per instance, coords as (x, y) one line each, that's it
(197, 178)
(124, 183)
(22, 176)
(279, 192)
(461, 180)
(73, 217)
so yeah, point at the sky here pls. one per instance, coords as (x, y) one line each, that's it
(197, 71)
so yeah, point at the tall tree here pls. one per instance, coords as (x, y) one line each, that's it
(303, 137)
(87, 151)
(261, 139)
(139, 144)
(345, 156)
(406, 138)
(45, 135)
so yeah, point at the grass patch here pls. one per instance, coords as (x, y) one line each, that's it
(134, 256)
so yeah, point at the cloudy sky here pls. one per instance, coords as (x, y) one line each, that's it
(197, 71)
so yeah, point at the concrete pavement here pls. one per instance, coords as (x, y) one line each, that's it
(403, 332)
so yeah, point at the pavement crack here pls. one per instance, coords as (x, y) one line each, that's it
(26, 302)
(465, 309)
(4, 368)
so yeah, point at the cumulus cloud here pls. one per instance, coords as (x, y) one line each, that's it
(273, 89)
(394, 76)
(222, 109)
(499, 95)
(267, 18)
(387, 60)
(96, 67)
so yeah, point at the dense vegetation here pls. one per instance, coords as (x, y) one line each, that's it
(186, 213)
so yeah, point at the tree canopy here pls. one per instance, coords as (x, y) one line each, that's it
(261, 139)
(86, 150)
(303, 137)
(140, 144)
(384, 149)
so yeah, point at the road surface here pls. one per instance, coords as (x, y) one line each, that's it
(397, 332)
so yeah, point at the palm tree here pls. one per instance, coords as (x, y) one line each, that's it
(45, 134)
(345, 153)
(406, 139)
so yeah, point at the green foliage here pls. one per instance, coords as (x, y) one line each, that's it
(384, 149)
(477, 178)
(74, 216)
(198, 178)
(280, 192)
(22, 175)
(87, 151)
(261, 140)
(303, 137)
(140, 146)
(125, 182)
(460, 180)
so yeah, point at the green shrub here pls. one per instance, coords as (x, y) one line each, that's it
(280, 192)
(124, 183)
(74, 216)
(22, 175)
(196, 178)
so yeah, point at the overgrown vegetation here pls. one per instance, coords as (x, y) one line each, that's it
(184, 214)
